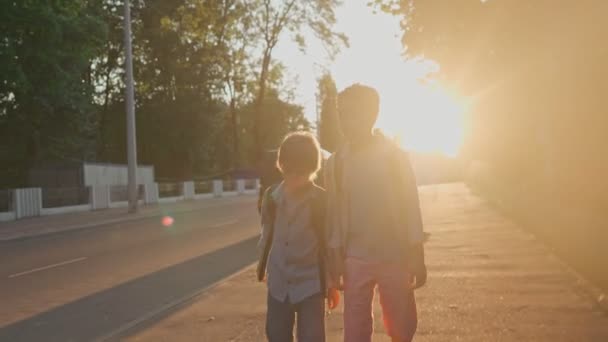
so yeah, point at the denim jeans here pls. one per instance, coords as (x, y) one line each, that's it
(310, 316)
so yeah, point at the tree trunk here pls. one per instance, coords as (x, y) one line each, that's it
(101, 141)
(236, 158)
(257, 124)
(103, 121)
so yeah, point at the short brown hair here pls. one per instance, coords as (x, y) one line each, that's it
(299, 154)
(364, 97)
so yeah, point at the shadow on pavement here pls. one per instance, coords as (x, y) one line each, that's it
(96, 315)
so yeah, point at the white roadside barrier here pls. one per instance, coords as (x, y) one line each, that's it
(29, 202)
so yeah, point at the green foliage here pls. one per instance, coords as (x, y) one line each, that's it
(276, 18)
(280, 118)
(46, 110)
(196, 72)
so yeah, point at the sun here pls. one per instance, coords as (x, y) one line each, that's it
(425, 118)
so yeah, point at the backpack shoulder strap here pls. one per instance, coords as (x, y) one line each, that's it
(270, 210)
(317, 219)
(338, 169)
(269, 213)
(317, 211)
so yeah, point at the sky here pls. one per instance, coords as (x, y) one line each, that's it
(425, 118)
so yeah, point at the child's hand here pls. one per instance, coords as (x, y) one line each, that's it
(418, 278)
(333, 298)
(417, 268)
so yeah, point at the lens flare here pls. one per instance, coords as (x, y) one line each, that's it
(167, 221)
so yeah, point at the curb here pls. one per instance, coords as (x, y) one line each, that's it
(73, 228)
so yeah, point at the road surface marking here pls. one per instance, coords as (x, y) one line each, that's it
(63, 263)
(222, 224)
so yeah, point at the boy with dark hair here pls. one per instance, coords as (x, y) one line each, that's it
(375, 223)
(293, 245)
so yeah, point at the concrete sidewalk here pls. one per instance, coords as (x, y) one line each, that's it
(44, 225)
(488, 281)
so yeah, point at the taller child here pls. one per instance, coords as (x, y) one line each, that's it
(376, 235)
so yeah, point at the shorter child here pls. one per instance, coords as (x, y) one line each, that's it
(292, 245)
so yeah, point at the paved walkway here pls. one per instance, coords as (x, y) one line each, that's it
(30, 227)
(489, 281)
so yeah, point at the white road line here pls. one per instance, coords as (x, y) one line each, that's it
(222, 224)
(63, 263)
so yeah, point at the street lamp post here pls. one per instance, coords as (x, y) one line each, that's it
(130, 101)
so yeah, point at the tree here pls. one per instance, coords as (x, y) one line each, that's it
(281, 118)
(238, 69)
(329, 130)
(274, 19)
(184, 59)
(194, 63)
(46, 112)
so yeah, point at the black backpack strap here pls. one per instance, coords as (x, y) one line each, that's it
(338, 169)
(317, 219)
(269, 213)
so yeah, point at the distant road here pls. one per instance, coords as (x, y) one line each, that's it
(84, 284)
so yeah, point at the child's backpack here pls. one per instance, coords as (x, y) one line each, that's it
(269, 174)
(317, 219)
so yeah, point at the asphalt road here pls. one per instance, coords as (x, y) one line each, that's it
(86, 284)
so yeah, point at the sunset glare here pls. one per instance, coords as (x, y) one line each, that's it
(431, 122)
(423, 115)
